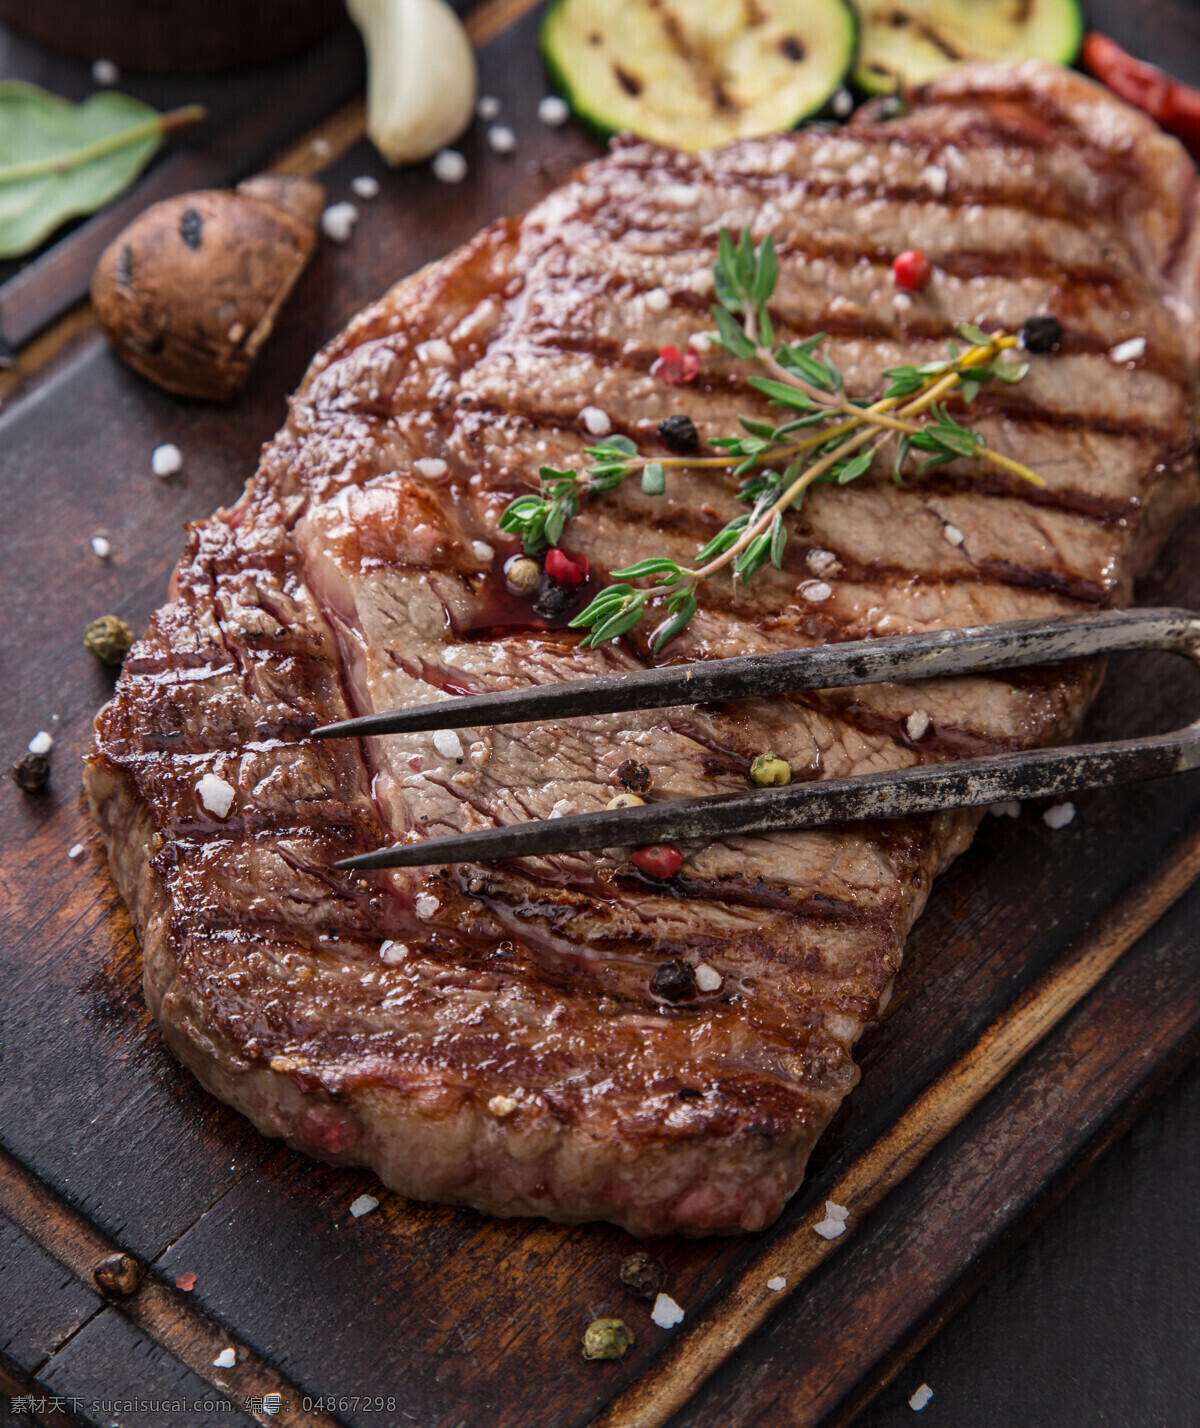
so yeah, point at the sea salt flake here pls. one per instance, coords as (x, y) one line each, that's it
(501, 139)
(488, 107)
(821, 562)
(426, 905)
(936, 178)
(482, 551)
(1059, 815)
(1129, 351)
(814, 591)
(501, 1106)
(658, 299)
(598, 422)
(448, 744)
(431, 467)
(392, 952)
(449, 166)
(920, 1398)
(41, 743)
(778, 1283)
(322, 148)
(166, 460)
(708, 979)
(1011, 808)
(363, 1205)
(105, 72)
(917, 724)
(75, 851)
(338, 220)
(553, 111)
(666, 1313)
(225, 1359)
(436, 350)
(700, 342)
(830, 1229)
(216, 794)
(365, 186)
(101, 547)
(842, 104)
(953, 535)
(834, 1211)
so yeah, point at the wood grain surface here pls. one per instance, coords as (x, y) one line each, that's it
(1025, 1051)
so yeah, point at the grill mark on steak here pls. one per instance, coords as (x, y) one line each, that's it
(532, 981)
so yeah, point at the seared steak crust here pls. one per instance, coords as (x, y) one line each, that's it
(488, 1035)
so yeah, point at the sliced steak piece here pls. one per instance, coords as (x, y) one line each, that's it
(531, 1038)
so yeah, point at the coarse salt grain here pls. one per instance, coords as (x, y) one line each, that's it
(834, 1211)
(666, 1313)
(842, 104)
(553, 111)
(598, 422)
(101, 547)
(1059, 815)
(432, 467)
(449, 166)
(920, 1398)
(700, 342)
(104, 71)
(936, 178)
(392, 952)
(1129, 351)
(363, 1205)
(225, 1359)
(953, 535)
(448, 744)
(820, 562)
(488, 107)
(365, 186)
(482, 551)
(1011, 808)
(778, 1283)
(501, 139)
(216, 794)
(436, 350)
(426, 905)
(502, 1106)
(830, 1229)
(658, 299)
(917, 724)
(814, 591)
(75, 851)
(41, 743)
(338, 220)
(708, 979)
(322, 148)
(166, 460)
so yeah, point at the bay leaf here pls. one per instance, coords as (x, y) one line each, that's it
(60, 160)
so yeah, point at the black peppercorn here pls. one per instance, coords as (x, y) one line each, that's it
(679, 433)
(117, 1274)
(1041, 334)
(553, 603)
(674, 981)
(643, 1273)
(31, 772)
(634, 777)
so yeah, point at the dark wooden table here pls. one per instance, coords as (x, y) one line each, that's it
(105, 1142)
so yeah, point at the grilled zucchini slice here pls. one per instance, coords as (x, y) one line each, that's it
(913, 41)
(697, 73)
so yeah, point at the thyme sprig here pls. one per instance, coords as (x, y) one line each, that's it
(827, 437)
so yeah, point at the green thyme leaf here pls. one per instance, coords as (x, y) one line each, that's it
(778, 541)
(766, 273)
(783, 395)
(652, 565)
(972, 334)
(681, 607)
(970, 390)
(761, 429)
(902, 449)
(755, 556)
(853, 467)
(654, 479)
(612, 446)
(1010, 371)
(732, 336)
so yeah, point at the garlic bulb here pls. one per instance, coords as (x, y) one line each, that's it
(420, 76)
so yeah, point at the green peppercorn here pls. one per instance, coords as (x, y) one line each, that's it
(770, 770)
(606, 1339)
(109, 638)
(522, 573)
(624, 800)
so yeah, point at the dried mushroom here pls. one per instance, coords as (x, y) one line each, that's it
(189, 292)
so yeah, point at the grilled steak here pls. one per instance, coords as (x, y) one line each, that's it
(497, 1036)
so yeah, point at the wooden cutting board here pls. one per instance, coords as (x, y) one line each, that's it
(1047, 995)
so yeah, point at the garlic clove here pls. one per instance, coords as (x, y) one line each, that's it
(421, 78)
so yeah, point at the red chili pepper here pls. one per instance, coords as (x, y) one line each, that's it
(911, 270)
(675, 367)
(566, 569)
(657, 860)
(1175, 106)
